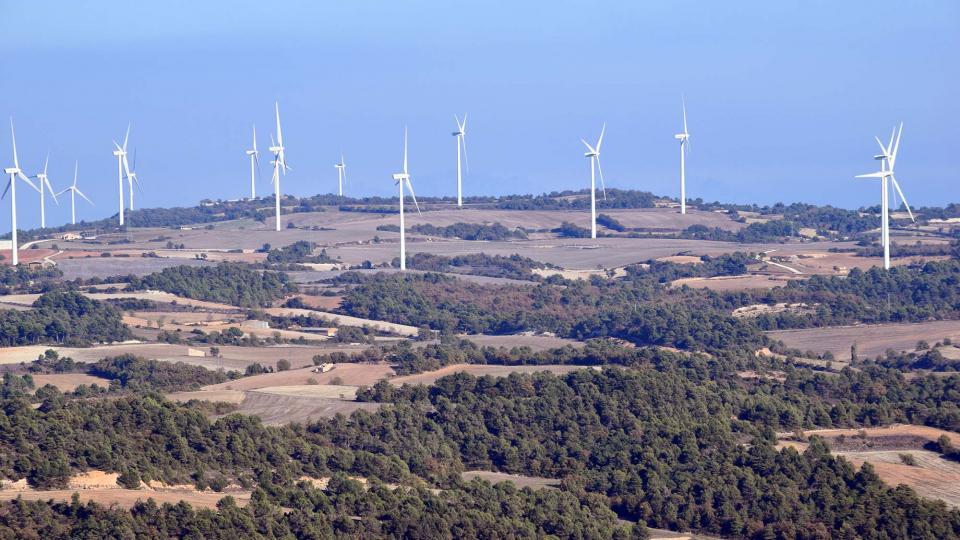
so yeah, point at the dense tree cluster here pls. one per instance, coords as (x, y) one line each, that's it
(139, 374)
(23, 279)
(64, 318)
(470, 231)
(345, 509)
(230, 283)
(479, 264)
(602, 308)
(300, 251)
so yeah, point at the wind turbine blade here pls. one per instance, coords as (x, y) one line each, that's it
(279, 133)
(134, 168)
(256, 158)
(76, 167)
(590, 148)
(126, 138)
(13, 136)
(46, 163)
(27, 180)
(463, 142)
(600, 140)
(80, 193)
(883, 149)
(50, 188)
(896, 147)
(880, 174)
(683, 102)
(413, 196)
(463, 127)
(603, 186)
(64, 190)
(126, 169)
(404, 150)
(254, 137)
(904, 199)
(6, 189)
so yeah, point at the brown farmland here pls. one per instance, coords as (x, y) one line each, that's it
(871, 340)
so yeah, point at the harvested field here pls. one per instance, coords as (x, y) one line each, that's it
(345, 320)
(226, 396)
(325, 391)
(897, 430)
(734, 283)
(231, 357)
(871, 340)
(275, 410)
(68, 382)
(537, 343)
(479, 370)
(126, 498)
(104, 267)
(521, 481)
(932, 477)
(349, 374)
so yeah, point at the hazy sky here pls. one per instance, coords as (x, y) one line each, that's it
(783, 98)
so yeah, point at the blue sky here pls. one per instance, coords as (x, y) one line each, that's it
(783, 98)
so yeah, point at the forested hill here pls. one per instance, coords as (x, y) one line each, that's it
(63, 318)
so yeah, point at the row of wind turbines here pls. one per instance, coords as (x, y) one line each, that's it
(127, 173)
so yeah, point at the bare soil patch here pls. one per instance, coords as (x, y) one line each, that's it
(871, 340)
(734, 283)
(68, 382)
(932, 476)
(479, 370)
(521, 481)
(274, 409)
(126, 498)
(349, 374)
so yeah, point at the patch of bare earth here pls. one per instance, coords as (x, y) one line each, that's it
(479, 370)
(68, 382)
(931, 476)
(519, 480)
(348, 374)
(871, 340)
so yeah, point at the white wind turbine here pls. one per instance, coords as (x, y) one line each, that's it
(14, 172)
(401, 179)
(594, 154)
(121, 154)
(460, 134)
(279, 163)
(341, 174)
(254, 164)
(74, 191)
(44, 184)
(684, 141)
(131, 175)
(888, 158)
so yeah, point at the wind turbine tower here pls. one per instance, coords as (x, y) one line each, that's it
(74, 191)
(279, 163)
(254, 164)
(401, 179)
(341, 174)
(44, 184)
(15, 172)
(888, 158)
(460, 134)
(121, 154)
(684, 141)
(593, 153)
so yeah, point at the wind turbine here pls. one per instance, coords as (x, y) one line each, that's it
(121, 155)
(888, 158)
(594, 154)
(254, 164)
(74, 191)
(44, 184)
(279, 162)
(401, 179)
(131, 175)
(460, 134)
(341, 174)
(14, 172)
(684, 140)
